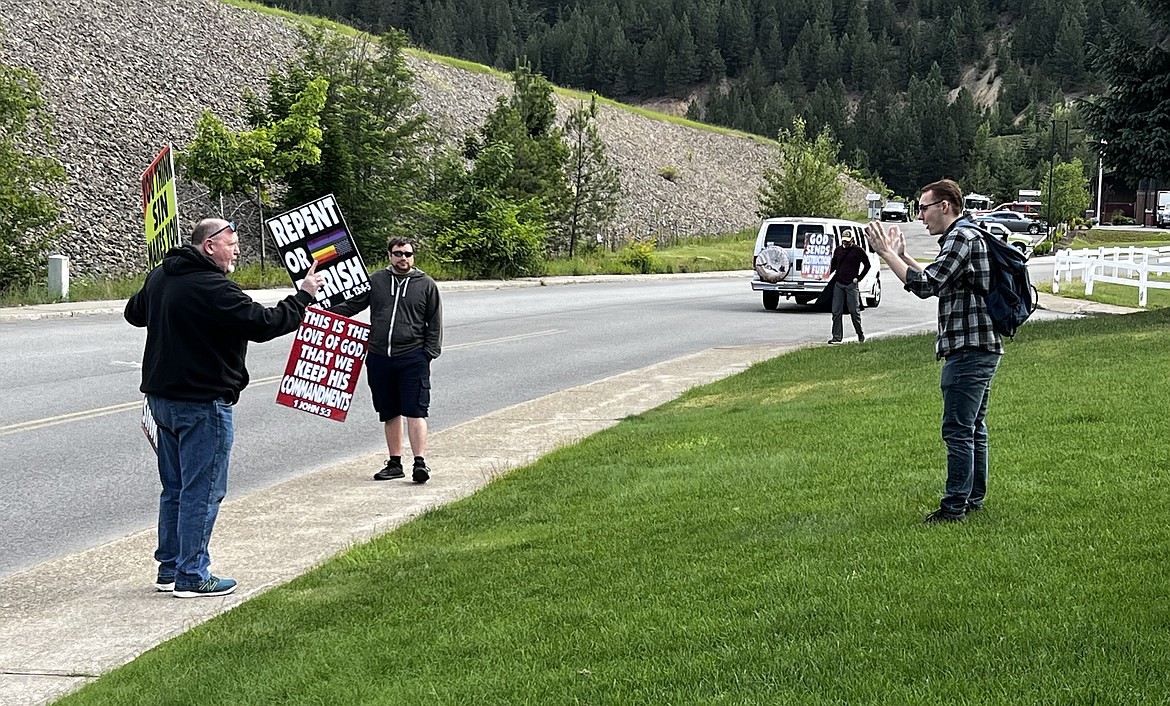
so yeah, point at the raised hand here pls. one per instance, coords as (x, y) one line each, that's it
(889, 244)
(312, 281)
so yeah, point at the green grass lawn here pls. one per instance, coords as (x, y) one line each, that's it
(1095, 238)
(758, 541)
(1108, 293)
(714, 253)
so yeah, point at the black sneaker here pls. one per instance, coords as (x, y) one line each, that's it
(941, 515)
(834, 341)
(392, 470)
(973, 508)
(213, 586)
(421, 474)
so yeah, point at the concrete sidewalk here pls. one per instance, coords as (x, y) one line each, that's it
(1080, 307)
(67, 621)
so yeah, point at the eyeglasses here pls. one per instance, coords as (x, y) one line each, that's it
(401, 253)
(923, 206)
(231, 225)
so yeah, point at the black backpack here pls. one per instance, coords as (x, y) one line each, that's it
(1012, 298)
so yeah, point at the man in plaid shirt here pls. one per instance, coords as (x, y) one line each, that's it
(959, 277)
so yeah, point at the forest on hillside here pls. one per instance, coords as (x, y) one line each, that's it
(885, 77)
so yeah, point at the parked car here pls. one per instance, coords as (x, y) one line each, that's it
(1031, 209)
(1018, 240)
(895, 211)
(792, 257)
(1015, 222)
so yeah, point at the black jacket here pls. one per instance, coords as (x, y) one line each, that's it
(849, 263)
(406, 313)
(198, 324)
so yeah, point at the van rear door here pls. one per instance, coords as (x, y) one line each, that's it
(817, 251)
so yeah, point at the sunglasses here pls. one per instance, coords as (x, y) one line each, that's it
(231, 225)
(401, 253)
(923, 206)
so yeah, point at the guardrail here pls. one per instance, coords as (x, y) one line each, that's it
(1108, 264)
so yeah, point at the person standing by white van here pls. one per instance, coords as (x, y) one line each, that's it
(849, 266)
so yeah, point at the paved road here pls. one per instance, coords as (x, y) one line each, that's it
(78, 470)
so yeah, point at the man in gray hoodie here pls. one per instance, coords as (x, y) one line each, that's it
(406, 320)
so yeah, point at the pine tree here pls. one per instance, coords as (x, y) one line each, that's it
(681, 67)
(525, 123)
(1068, 56)
(373, 135)
(827, 108)
(593, 182)
(736, 39)
(806, 180)
(977, 177)
(949, 58)
(1132, 115)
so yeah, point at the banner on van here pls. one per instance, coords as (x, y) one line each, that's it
(818, 256)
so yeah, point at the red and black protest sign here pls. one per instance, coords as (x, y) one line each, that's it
(316, 232)
(324, 365)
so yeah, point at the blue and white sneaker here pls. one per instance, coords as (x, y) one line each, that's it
(164, 586)
(213, 586)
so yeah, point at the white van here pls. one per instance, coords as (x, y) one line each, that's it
(792, 258)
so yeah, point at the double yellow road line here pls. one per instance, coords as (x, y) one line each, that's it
(35, 424)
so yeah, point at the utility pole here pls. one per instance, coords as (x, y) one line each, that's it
(1100, 176)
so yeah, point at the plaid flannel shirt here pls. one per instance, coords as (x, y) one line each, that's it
(957, 276)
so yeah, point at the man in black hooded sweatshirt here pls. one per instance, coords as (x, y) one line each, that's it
(198, 324)
(406, 334)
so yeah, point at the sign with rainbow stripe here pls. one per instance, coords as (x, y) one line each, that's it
(316, 232)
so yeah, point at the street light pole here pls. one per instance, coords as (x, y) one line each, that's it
(1100, 177)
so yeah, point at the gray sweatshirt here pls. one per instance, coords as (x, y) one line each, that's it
(405, 313)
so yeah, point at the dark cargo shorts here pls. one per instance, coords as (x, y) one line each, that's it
(400, 384)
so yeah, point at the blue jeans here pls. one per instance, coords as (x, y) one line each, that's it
(966, 387)
(194, 445)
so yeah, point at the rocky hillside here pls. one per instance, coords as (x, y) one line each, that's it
(124, 77)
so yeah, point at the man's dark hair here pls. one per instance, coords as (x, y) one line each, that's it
(205, 228)
(397, 241)
(946, 190)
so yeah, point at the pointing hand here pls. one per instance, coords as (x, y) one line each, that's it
(312, 281)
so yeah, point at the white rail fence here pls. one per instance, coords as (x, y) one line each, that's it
(1131, 266)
